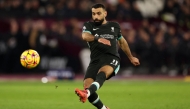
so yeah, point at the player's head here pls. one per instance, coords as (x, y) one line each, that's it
(98, 13)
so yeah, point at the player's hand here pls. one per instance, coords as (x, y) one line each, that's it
(104, 41)
(134, 61)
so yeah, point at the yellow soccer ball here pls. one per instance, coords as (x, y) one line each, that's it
(29, 58)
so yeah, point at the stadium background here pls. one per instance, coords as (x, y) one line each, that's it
(158, 33)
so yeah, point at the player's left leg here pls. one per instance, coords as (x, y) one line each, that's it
(103, 73)
(109, 69)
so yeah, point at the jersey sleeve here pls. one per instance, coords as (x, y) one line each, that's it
(87, 27)
(119, 36)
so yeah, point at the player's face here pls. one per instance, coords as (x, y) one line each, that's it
(98, 15)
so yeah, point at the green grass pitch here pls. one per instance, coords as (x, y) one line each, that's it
(117, 94)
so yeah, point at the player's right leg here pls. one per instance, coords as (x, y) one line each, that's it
(83, 93)
(95, 100)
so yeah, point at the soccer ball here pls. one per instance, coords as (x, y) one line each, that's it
(29, 58)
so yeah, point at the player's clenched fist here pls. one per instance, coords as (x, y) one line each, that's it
(134, 61)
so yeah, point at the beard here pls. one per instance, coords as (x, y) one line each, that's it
(98, 22)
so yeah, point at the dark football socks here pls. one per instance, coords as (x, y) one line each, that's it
(95, 100)
(100, 79)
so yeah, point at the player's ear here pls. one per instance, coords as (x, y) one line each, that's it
(105, 13)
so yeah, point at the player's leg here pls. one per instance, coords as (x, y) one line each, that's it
(110, 68)
(102, 75)
(93, 98)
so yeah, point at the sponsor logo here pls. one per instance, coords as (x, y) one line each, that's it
(94, 29)
(107, 36)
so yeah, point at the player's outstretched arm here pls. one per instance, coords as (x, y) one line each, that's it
(89, 37)
(125, 47)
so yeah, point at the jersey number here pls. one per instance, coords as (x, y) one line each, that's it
(114, 62)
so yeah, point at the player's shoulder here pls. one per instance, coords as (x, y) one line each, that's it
(88, 25)
(113, 23)
(88, 22)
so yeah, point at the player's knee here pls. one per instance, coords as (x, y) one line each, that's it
(108, 70)
(104, 74)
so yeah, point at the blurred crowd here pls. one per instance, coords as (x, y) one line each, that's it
(173, 10)
(67, 8)
(53, 28)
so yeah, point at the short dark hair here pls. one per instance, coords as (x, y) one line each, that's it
(99, 5)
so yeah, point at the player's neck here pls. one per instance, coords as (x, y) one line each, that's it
(104, 22)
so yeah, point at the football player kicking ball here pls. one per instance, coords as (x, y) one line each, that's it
(102, 37)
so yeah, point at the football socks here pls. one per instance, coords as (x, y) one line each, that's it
(95, 100)
(100, 79)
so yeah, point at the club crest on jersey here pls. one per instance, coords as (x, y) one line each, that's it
(96, 35)
(84, 28)
(112, 29)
